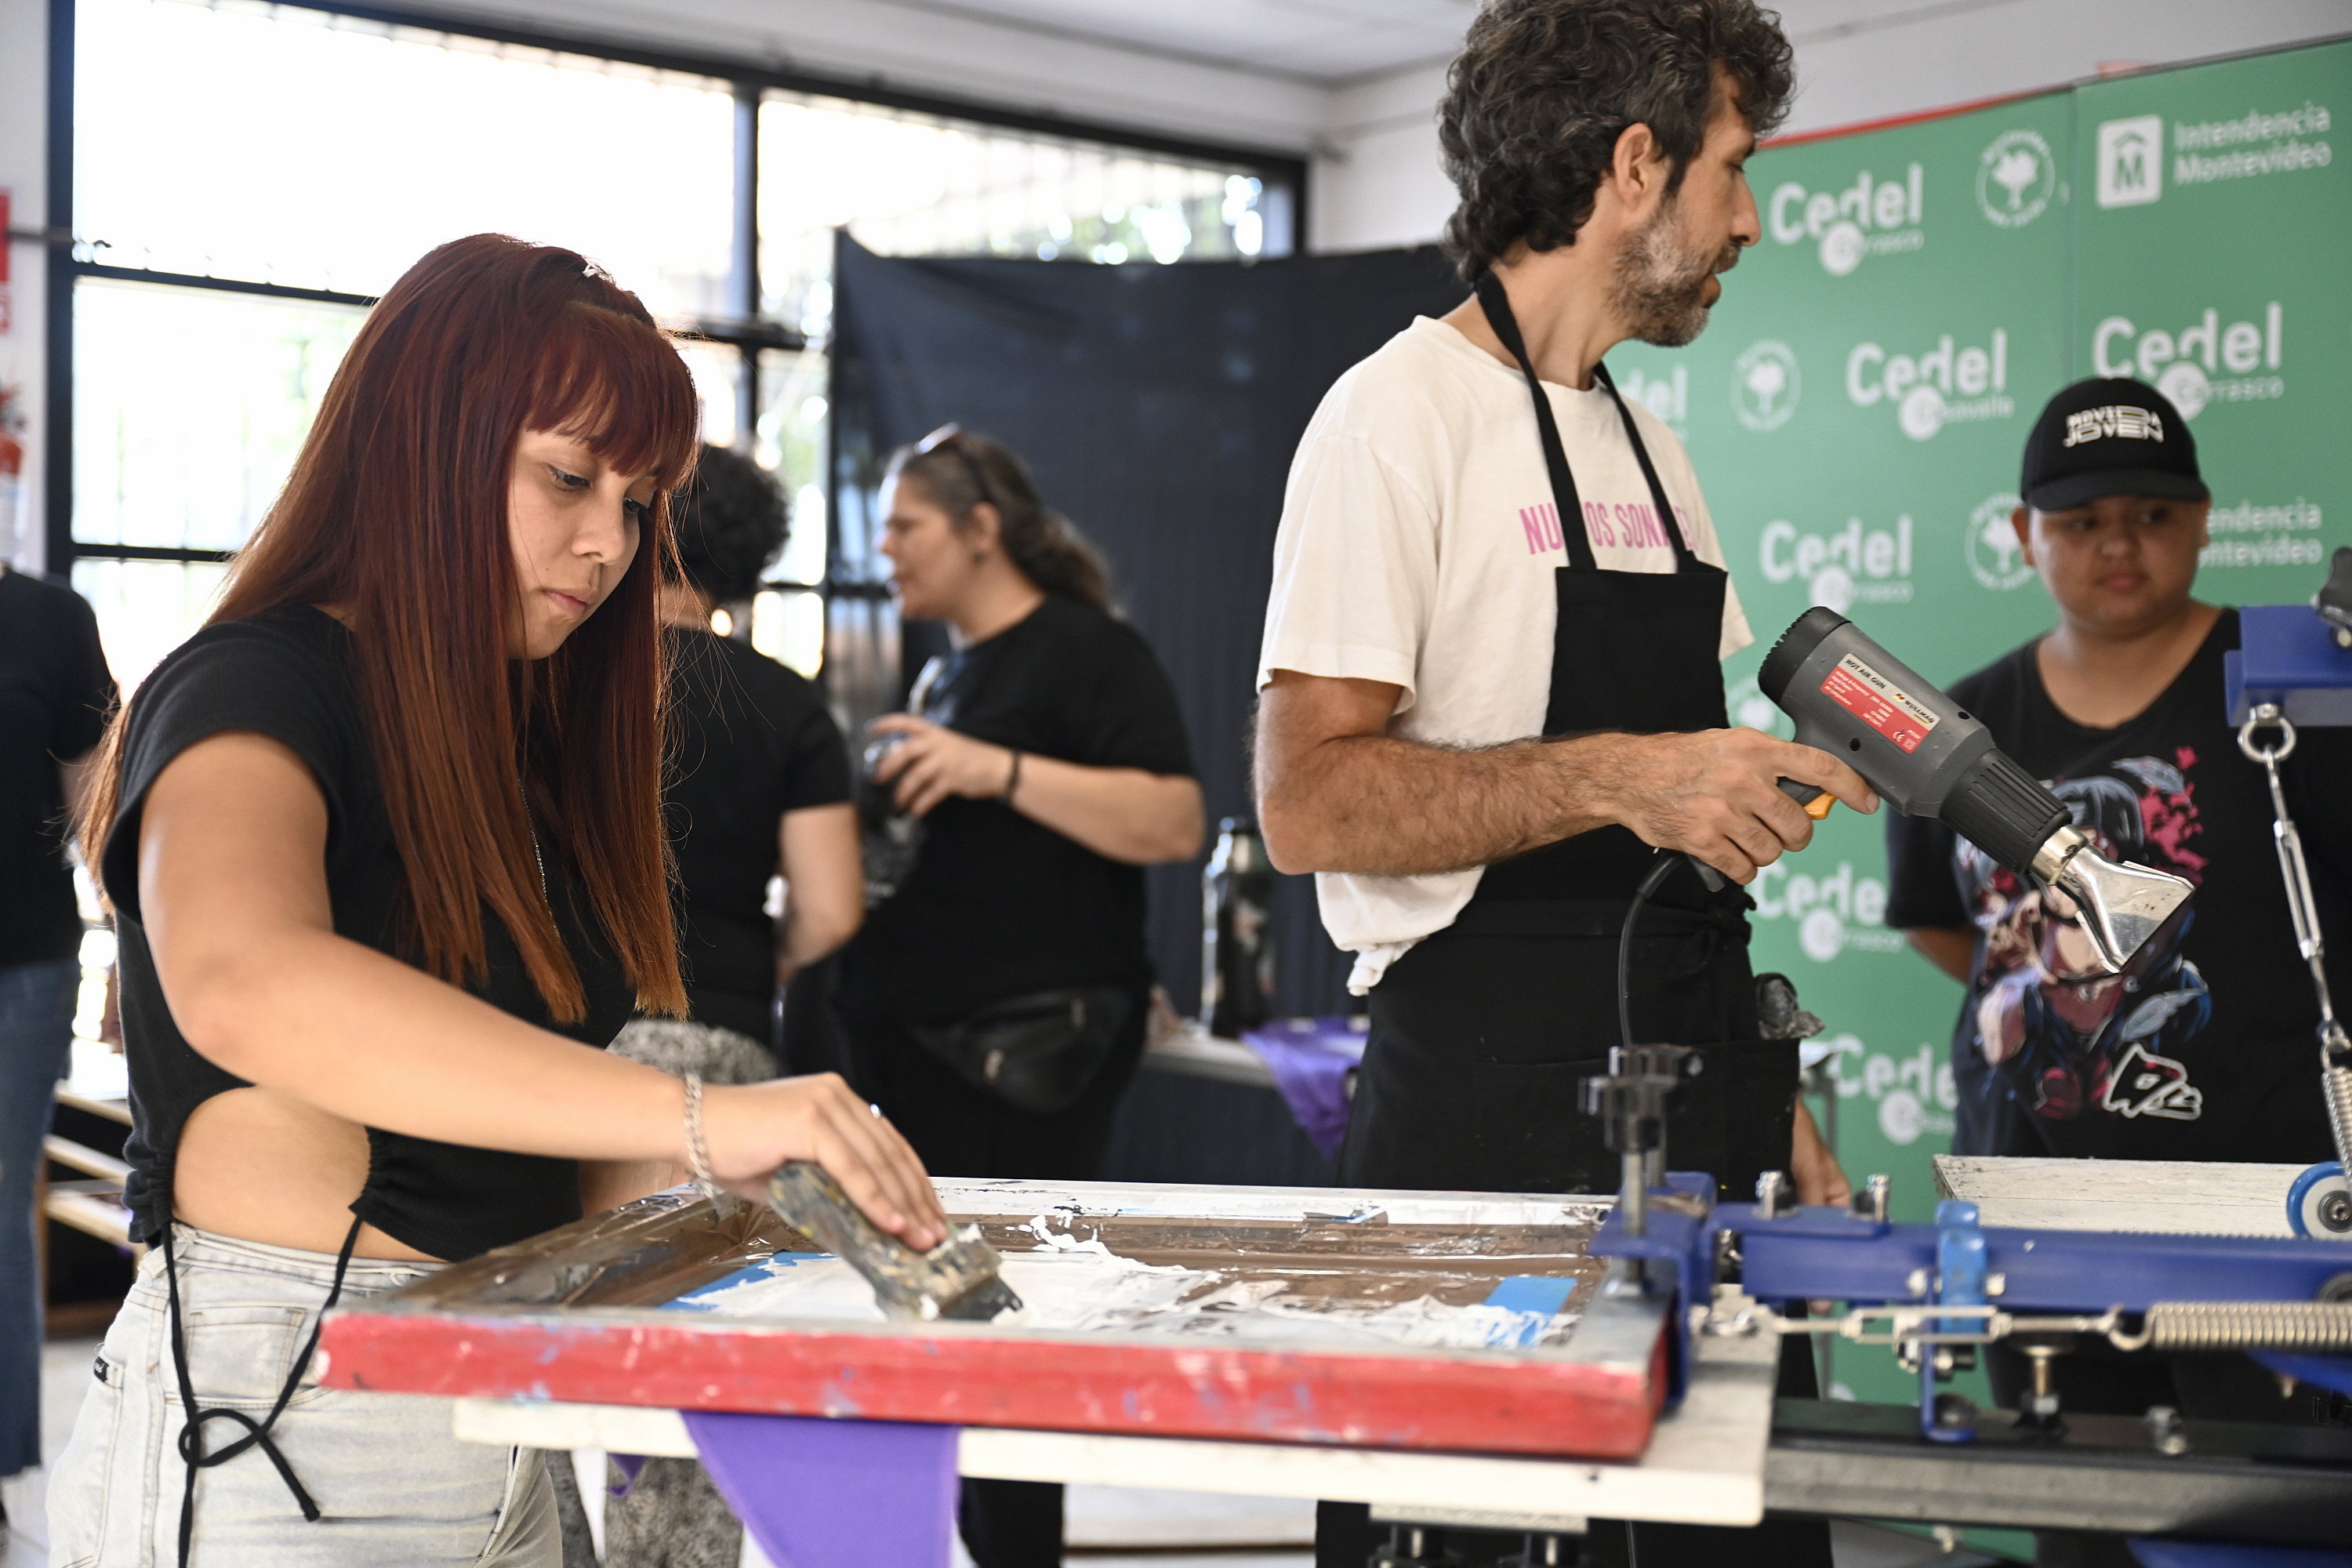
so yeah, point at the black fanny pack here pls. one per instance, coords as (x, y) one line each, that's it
(1036, 1053)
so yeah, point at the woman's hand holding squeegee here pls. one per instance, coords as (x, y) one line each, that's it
(752, 1129)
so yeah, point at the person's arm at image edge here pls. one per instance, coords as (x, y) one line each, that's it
(825, 884)
(1951, 950)
(232, 888)
(1813, 1164)
(1924, 901)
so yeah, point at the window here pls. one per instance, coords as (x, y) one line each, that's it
(249, 176)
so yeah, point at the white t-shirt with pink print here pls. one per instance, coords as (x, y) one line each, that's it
(1418, 546)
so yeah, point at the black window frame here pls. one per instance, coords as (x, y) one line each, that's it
(742, 329)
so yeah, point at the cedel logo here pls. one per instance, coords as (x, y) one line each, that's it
(1942, 386)
(1832, 913)
(1667, 396)
(1870, 217)
(2016, 178)
(1765, 385)
(2131, 161)
(1996, 559)
(2202, 362)
(1844, 568)
(1906, 1089)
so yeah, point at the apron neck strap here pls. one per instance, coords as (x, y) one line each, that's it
(1498, 307)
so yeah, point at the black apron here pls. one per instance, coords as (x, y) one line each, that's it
(1480, 1033)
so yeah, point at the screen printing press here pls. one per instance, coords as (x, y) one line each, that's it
(1449, 1358)
(1506, 1362)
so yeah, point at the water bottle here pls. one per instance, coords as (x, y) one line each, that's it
(1236, 936)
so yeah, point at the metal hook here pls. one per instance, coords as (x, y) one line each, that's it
(2267, 716)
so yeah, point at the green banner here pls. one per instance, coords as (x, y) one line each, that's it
(2211, 245)
(1857, 411)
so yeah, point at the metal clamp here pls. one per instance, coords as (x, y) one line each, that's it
(2303, 905)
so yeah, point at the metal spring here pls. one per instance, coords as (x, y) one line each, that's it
(2337, 1083)
(2318, 1326)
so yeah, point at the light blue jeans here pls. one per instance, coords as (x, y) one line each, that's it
(396, 1489)
(36, 1009)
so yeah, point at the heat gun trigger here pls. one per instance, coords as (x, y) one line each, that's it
(1816, 800)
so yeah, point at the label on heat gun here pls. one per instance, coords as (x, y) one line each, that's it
(1878, 702)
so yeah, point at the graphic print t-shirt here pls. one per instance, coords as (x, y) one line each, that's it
(1418, 547)
(2211, 1054)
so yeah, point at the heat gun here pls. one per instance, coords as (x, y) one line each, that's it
(1927, 757)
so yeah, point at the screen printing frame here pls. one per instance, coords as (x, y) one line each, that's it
(573, 1316)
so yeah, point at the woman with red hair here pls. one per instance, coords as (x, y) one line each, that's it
(384, 845)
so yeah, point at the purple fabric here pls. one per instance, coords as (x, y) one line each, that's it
(817, 1493)
(631, 1467)
(1311, 1061)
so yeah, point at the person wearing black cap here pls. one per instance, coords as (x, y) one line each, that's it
(2119, 708)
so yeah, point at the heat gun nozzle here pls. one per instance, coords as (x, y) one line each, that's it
(2123, 907)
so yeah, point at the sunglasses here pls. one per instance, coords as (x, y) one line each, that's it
(951, 437)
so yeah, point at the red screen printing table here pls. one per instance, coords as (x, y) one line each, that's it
(1431, 1351)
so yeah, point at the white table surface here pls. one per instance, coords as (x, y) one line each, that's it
(1705, 1464)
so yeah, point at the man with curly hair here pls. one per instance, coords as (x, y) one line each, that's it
(1491, 700)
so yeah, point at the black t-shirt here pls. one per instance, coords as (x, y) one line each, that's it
(55, 695)
(2213, 1054)
(288, 675)
(997, 905)
(749, 741)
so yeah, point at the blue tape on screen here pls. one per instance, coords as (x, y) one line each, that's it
(1538, 1298)
(699, 1300)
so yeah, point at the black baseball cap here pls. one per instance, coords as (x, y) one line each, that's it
(2109, 438)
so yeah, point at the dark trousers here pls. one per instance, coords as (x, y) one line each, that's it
(962, 1131)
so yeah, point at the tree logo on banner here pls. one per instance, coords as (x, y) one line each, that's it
(2016, 179)
(1995, 557)
(1765, 385)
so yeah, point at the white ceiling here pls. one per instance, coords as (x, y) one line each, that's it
(1336, 41)
(1314, 40)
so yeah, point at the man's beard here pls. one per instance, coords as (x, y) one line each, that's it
(1660, 290)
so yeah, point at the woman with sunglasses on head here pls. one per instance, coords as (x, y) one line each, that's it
(995, 999)
(385, 845)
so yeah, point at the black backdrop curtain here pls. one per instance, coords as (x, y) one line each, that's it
(1159, 406)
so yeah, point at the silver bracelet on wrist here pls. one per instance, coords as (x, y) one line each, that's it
(698, 1154)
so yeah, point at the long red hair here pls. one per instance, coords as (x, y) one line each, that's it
(395, 513)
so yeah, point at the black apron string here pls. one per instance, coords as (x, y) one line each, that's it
(1496, 303)
(1684, 559)
(257, 1433)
